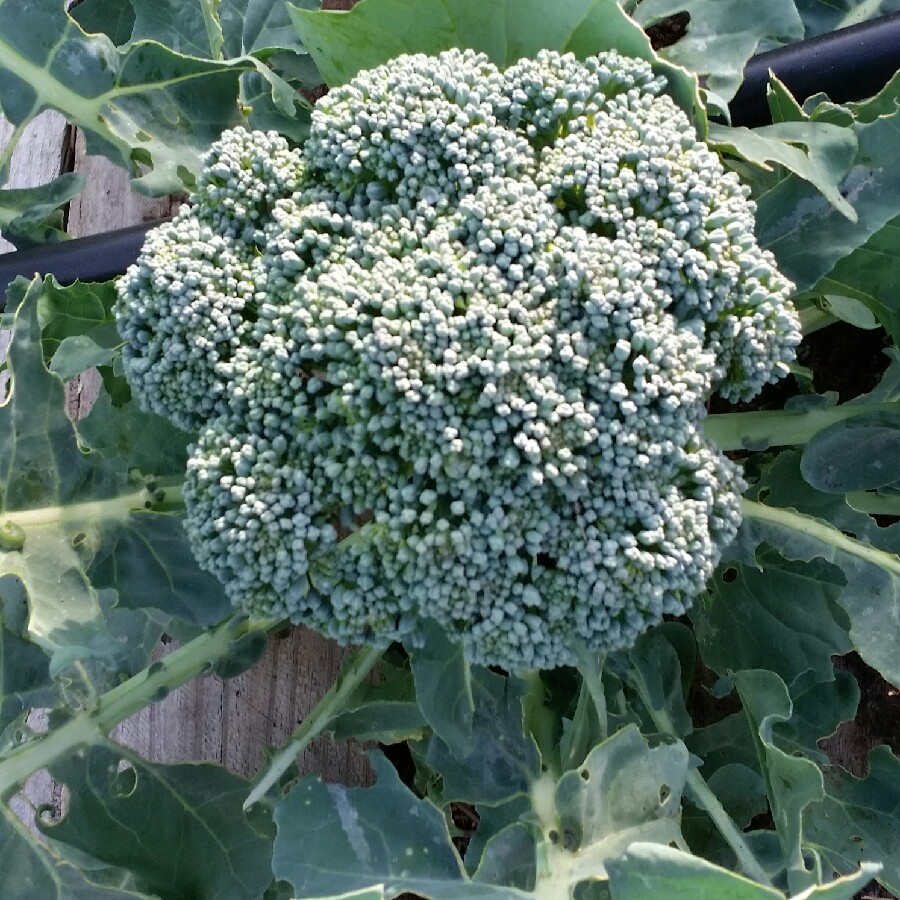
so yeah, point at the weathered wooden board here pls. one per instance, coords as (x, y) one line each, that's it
(232, 721)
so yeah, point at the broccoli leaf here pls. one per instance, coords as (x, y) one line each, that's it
(808, 236)
(857, 819)
(444, 689)
(29, 869)
(856, 455)
(784, 618)
(503, 759)
(178, 828)
(144, 103)
(385, 712)
(870, 596)
(75, 533)
(828, 153)
(822, 16)
(721, 37)
(331, 838)
(792, 782)
(24, 668)
(375, 31)
(870, 274)
(649, 871)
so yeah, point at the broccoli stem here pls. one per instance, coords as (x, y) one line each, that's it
(93, 723)
(356, 669)
(781, 428)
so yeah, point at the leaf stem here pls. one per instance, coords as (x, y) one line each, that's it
(210, 10)
(118, 507)
(820, 531)
(539, 721)
(591, 669)
(701, 792)
(356, 668)
(781, 428)
(93, 723)
(9, 149)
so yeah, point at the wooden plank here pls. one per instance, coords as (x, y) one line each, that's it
(228, 722)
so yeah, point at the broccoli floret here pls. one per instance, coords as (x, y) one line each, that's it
(450, 359)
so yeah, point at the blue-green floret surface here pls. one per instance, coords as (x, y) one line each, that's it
(450, 359)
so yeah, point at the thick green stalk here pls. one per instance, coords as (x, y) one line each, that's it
(356, 669)
(781, 428)
(94, 723)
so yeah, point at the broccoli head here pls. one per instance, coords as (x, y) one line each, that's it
(449, 361)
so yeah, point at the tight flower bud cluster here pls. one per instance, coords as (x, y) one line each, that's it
(449, 361)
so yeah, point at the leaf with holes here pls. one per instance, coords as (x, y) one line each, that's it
(76, 531)
(179, 829)
(31, 870)
(333, 839)
(774, 615)
(648, 872)
(623, 792)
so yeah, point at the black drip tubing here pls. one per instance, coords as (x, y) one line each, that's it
(850, 64)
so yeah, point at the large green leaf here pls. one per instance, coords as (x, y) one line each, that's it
(858, 818)
(386, 712)
(503, 759)
(24, 667)
(444, 689)
(721, 36)
(375, 31)
(871, 274)
(178, 828)
(805, 524)
(783, 617)
(823, 16)
(818, 712)
(333, 839)
(792, 782)
(856, 455)
(817, 152)
(649, 872)
(260, 29)
(655, 661)
(31, 870)
(143, 104)
(808, 236)
(623, 792)
(71, 515)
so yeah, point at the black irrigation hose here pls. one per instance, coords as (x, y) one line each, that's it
(95, 258)
(849, 64)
